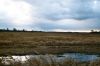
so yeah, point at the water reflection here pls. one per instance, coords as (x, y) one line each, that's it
(58, 58)
(81, 57)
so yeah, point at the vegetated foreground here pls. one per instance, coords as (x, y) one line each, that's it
(50, 61)
(22, 43)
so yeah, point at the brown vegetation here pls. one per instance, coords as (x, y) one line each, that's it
(46, 42)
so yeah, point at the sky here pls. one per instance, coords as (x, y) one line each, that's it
(50, 15)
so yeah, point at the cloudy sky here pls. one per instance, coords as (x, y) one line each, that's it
(50, 15)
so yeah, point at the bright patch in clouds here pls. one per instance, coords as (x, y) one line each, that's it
(47, 15)
(62, 30)
(18, 12)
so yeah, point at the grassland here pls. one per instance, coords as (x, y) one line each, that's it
(20, 43)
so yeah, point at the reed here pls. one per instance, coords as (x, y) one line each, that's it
(50, 61)
(12, 43)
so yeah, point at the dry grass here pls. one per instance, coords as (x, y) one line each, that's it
(46, 42)
(41, 61)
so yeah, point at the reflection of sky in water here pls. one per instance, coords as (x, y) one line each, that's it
(80, 57)
(21, 58)
(74, 56)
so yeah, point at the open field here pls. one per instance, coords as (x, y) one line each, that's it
(21, 43)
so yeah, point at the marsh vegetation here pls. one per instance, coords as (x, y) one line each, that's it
(46, 42)
(46, 60)
(29, 43)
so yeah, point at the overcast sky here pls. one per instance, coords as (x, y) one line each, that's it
(50, 15)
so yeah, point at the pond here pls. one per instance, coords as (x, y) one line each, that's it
(59, 58)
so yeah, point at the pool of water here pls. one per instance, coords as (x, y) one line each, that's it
(59, 58)
(80, 57)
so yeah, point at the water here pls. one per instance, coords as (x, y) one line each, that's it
(80, 57)
(58, 58)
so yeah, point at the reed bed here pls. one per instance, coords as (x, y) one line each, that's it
(45, 42)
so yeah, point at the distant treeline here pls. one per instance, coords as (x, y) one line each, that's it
(24, 30)
(94, 31)
(16, 30)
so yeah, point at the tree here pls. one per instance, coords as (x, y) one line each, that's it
(92, 31)
(7, 29)
(23, 30)
(14, 29)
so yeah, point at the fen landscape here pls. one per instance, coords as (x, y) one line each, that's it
(49, 32)
(49, 49)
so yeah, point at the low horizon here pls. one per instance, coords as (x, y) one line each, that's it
(58, 30)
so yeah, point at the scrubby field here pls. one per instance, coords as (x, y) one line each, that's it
(20, 43)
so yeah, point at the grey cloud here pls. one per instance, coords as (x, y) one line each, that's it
(52, 11)
(65, 9)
